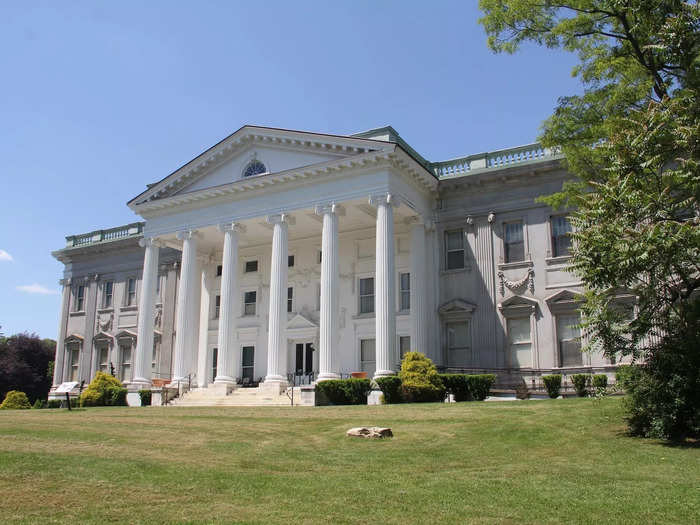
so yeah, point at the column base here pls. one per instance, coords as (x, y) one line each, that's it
(221, 388)
(140, 383)
(224, 380)
(327, 376)
(383, 373)
(275, 384)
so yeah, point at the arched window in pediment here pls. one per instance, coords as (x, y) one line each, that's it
(254, 167)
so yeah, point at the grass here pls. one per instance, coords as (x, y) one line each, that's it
(558, 461)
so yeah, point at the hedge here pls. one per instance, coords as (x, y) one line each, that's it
(600, 381)
(145, 396)
(391, 389)
(15, 400)
(552, 384)
(581, 383)
(457, 385)
(343, 391)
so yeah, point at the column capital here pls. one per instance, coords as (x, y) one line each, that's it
(279, 218)
(384, 199)
(184, 235)
(65, 282)
(231, 227)
(150, 241)
(329, 207)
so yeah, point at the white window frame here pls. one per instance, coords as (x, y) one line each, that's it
(251, 260)
(359, 353)
(290, 300)
(79, 304)
(243, 307)
(73, 349)
(105, 295)
(551, 242)
(401, 292)
(122, 346)
(360, 296)
(448, 251)
(127, 298)
(217, 306)
(504, 227)
(470, 359)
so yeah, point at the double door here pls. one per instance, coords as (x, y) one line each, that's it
(304, 358)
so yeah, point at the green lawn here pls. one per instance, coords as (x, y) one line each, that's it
(561, 461)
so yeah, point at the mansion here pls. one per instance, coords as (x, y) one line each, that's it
(281, 256)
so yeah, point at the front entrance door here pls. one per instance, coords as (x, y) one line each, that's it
(304, 359)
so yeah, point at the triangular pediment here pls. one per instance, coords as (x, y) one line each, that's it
(564, 296)
(277, 150)
(457, 306)
(519, 300)
(103, 336)
(299, 322)
(74, 338)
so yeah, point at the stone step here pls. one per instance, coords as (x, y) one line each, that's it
(239, 397)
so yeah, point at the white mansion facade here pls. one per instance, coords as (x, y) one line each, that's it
(281, 254)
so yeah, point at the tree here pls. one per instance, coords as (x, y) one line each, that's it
(632, 139)
(24, 362)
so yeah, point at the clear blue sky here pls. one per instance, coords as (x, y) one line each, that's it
(99, 98)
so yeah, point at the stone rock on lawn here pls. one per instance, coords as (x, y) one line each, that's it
(370, 432)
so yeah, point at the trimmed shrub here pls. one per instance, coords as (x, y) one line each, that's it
(581, 383)
(626, 376)
(553, 385)
(39, 403)
(15, 400)
(53, 403)
(103, 390)
(457, 385)
(480, 385)
(145, 396)
(343, 391)
(420, 381)
(391, 389)
(600, 381)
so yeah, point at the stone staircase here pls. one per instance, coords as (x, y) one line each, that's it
(209, 397)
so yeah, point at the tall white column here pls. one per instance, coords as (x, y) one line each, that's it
(385, 286)
(228, 360)
(277, 340)
(328, 357)
(186, 320)
(419, 299)
(60, 342)
(147, 305)
(204, 310)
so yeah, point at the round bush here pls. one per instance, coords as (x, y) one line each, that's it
(15, 400)
(420, 381)
(553, 385)
(103, 390)
(581, 382)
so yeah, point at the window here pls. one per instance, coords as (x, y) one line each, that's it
(248, 363)
(561, 238)
(458, 344)
(290, 261)
(80, 298)
(131, 292)
(214, 363)
(74, 362)
(568, 340)
(249, 300)
(404, 345)
(158, 283)
(404, 291)
(454, 249)
(219, 270)
(107, 294)
(154, 357)
(520, 342)
(514, 245)
(217, 307)
(290, 298)
(251, 266)
(254, 167)
(125, 369)
(103, 359)
(367, 356)
(320, 255)
(367, 295)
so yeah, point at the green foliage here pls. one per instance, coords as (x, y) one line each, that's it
(53, 403)
(581, 383)
(600, 381)
(39, 403)
(420, 381)
(480, 385)
(24, 365)
(145, 396)
(391, 389)
(627, 375)
(457, 385)
(103, 390)
(631, 139)
(553, 385)
(15, 400)
(343, 391)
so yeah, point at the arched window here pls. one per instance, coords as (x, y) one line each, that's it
(254, 167)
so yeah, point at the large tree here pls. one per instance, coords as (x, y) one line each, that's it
(24, 363)
(633, 140)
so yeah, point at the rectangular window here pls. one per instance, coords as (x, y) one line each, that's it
(454, 249)
(217, 307)
(74, 362)
(131, 292)
(404, 291)
(514, 244)
(251, 266)
(290, 261)
(107, 294)
(249, 303)
(367, 295)
(219, 270)
(80, 298)
(404, 345)
(125, 370)
(154, 358)
(290, 298)
(214, 363)
(103, 360)
(569, 340)
(320, 254)
(561, 238)
(458, 344)
(367, 356)
(520, 342)
(248, 363)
